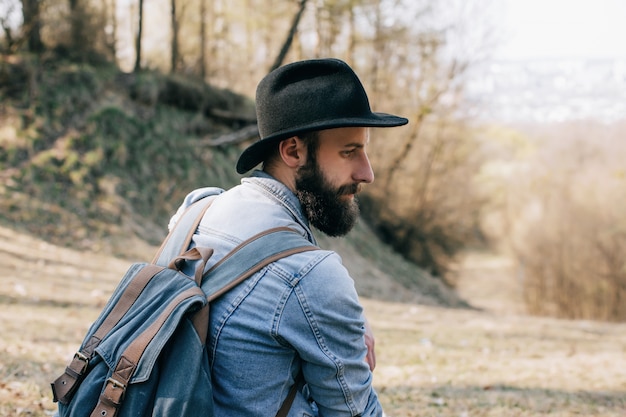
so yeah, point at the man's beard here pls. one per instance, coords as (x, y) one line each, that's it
(322, 203)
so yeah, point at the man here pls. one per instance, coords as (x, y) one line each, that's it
(301, 314)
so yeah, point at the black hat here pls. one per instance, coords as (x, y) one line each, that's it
(306, 96)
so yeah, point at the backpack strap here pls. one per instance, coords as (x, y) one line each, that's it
(250, 256)
(179, 238)
(284, 408)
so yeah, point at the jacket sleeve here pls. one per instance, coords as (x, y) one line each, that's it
(323, 321)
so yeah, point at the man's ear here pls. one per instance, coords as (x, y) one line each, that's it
(293, 152)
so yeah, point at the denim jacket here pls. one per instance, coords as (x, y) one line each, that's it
(300, 313)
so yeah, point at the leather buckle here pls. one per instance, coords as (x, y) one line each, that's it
(84, 359)
(116, 383)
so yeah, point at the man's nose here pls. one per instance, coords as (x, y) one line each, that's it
(363, 171)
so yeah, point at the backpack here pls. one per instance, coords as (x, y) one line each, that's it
(145, 355)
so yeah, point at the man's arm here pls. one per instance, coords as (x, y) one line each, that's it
(323, 320)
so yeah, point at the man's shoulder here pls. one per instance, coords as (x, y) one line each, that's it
(321, 276)
(323, 268)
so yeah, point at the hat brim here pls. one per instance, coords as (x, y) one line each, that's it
(257, 152)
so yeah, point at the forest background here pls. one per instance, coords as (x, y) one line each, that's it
(551, 196)
(112, 110)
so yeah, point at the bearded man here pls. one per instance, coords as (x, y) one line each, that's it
(298, 322)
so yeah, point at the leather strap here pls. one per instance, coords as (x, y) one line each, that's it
(284, 409)
(179, 238)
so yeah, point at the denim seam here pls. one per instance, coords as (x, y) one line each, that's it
(278, 315)
(209, 231)
(293, 279)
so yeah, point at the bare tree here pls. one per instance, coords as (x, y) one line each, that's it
(203, 43)
(84, 30)
(110, 36)
(138, 37)
(562, 217)
(32, 25)
(424, 203)
(218, 35)
(174, 41)
(5, 23)
(329, 20)
(290, 35)
(76, 23)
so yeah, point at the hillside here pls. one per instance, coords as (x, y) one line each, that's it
(95, 159)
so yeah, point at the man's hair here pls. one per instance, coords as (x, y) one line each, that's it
(311, 141)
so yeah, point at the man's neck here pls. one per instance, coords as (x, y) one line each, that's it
(283, 174)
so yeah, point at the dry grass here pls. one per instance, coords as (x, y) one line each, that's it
(431, 361)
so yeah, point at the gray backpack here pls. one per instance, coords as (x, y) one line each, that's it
(146, 353)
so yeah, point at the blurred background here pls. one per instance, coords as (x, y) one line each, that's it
(112, 110)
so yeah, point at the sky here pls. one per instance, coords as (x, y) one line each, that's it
(563, 29)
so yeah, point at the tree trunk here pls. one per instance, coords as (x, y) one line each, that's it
(174, 45)
(110, 19)
(138, 38)
(77, 29)
(203, 31)
(292, 32)
(32, 25)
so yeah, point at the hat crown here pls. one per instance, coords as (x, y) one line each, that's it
(308, 92)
